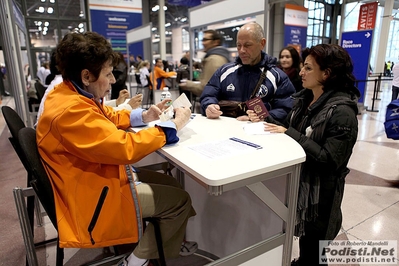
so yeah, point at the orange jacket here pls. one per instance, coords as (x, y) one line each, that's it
(84, 147)
(157, 77)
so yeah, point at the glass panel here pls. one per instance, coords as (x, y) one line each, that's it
(43, 33)
(75, 26)
(71, 8)
(41, 9)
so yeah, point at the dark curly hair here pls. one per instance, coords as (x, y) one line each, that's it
(79, 51)
(337, 61)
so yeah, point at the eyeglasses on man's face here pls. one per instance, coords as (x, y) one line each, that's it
(207, 39)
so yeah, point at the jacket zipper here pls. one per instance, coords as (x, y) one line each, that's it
(97, 212)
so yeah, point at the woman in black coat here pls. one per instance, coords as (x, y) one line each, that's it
(324, 122)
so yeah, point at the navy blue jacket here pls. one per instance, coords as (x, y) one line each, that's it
(235, 81)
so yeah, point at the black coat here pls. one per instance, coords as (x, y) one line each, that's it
(328, 147)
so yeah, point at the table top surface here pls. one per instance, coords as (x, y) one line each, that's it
(279, 151)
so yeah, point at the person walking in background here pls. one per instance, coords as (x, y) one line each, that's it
(290, 63)
(183, 71)
(388, 70)
(395, 82)
(43, 72)
(237, 81)
(3, 91)
(216, 56)
(144, 73)
(324, 122)
(120, 74)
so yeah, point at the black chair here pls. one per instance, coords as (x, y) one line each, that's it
(150, 99)
(15, 123)
(42, 186)
(40, 90)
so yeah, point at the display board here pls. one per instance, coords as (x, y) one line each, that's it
(212, 12)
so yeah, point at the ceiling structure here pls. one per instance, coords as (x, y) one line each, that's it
(175, 15)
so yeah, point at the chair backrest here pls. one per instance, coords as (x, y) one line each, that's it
(14, 123)
(40, 90)
(138, 81)
(40, 182)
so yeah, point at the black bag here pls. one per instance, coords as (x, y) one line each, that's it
(236, 108)
(391, 123)
(232, 108)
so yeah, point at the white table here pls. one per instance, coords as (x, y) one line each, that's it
(280, 158)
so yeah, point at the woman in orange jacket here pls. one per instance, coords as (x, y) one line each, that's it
(86, 149)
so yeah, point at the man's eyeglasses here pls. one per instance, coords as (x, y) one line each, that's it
(207, 39)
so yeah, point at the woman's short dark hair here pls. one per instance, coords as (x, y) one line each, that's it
(296, 59)
(79, 51)
(337, 61)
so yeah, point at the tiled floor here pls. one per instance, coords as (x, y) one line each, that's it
(371, 200)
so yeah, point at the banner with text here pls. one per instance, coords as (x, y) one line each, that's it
(358, 45)
(112, 18)
(367, 16)
(295, 26)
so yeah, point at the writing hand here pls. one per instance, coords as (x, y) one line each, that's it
(136, 101)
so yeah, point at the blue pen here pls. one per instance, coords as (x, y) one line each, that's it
(246, 143)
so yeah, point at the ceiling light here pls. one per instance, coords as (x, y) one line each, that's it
(42, 1)
(183, 20)
(39, 23)
(50, 10)
(40, 9)
(81, 30)
(155, 8)
(81, 14)
(165, 8)
(46, 23)
(154, 29)
(52, 1)
(44, 32)
(167, 25)
(80, 25)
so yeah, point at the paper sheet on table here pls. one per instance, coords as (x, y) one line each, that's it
(221, 149)
(255, 128)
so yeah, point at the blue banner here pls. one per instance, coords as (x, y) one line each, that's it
(295, 36)
(113, 26)
(189, 3)
(358, 45)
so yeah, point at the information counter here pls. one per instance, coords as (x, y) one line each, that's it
(245, 196)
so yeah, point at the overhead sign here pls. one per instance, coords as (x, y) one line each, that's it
(367, 16)
(296, 24)
(189, 3)
(358, 45)
(113, 18)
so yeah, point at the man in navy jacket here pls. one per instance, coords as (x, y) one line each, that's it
(236, 81)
